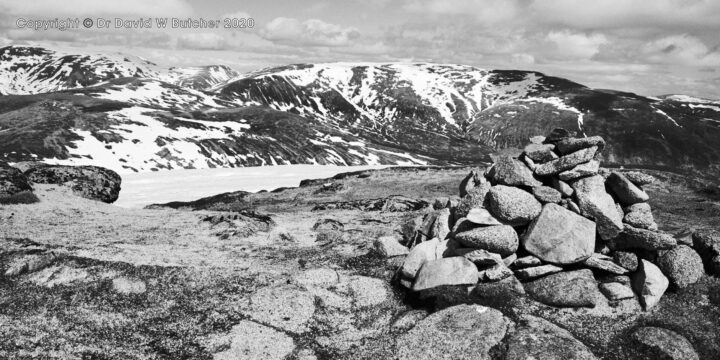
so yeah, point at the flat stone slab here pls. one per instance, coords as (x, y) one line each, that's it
(446, 271)
(560, 236)
(649, 283)
(566, 162)
(250, 340)
(596, 203)
(500, 239)
(662, 343)
(285, 307)
(537, 338)
(513, 206)
(627, 192)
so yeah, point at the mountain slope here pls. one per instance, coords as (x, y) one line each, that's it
(135, 116)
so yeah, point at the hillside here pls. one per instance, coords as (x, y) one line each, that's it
(128, 114)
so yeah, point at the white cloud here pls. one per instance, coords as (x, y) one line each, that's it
(522, 59)
(571, 45)
(311, 32)
(681, 49)
(202, 41)
(78, 8)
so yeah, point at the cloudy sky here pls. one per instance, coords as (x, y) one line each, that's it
(649, 47)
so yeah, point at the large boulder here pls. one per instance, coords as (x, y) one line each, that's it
(513, 206)
(636, 238)
(537, 338)
(458, 332)
(682, 265)
(90, 182)
(566, 162)
(12, 181)
(500, 239)
(446, 271)
(560, 236)
(511, 172)
(566, 289)
(596, 203)
(659, 343)
(707, 244)
(425, 251)
(649, 283)
(625, 190)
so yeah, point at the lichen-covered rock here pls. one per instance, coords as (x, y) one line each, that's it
(560, 236)
(659, 343)
(605, 263)
(540, 153)
(569, 145)
(513, 206)
(682, 266)
(649, 283)
(537, 338)
(585, 169)
(90, 182)
(458, 332)
(389, 246)
(474, 198)
(566, 162)
(511, 172)
(473, 179)
(546, 194)
(707, 244)
(627, 192)
(425, 251)
(636, 238)
(534, 272)
(566, 289)
(500, 239)
(640, 215)
(480, 216)
(564, 188)
(626, 259)
(596, 203)
(639, 178)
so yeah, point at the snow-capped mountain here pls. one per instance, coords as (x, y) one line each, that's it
(31, 70)
(135, 116)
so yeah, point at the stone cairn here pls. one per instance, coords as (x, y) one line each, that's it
(553, 219)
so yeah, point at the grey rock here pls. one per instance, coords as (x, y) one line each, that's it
(659, 343)
(513, 206)
(446, 271)
(526, 261)
(500, 239)
(616, 291)
(564, 188)
(441, 203)
(483, 257)
(625, 190)
(389, 246)
(537, 271)
(530, 163)
(511, 172)
(558, 134)
(90, 182)
(566, 162)
(585, 169)
(473, 179)
(538, 139)
(495, 273)
(707, 244)
(546, 194)
(12, 181)
(367, 291)
(500, 291)
(649, 283)
(560, 236)
(408, 320)
(626, 259)
(510, 259)
(425, 251)
(566, 289)
(570, 145)
(639, 178)
(458, 332)
(285, 307)
(540, 152)
(636, 238)
(481, 216)
(604, 263)
(411, 231)
(682, 266)
(571, 205)
(475, 198)
(639, 215)
(537, 338)
(596, 203)
(250, 340)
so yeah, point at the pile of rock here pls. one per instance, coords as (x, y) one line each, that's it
(554, 219)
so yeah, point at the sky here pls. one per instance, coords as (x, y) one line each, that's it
(649, 47)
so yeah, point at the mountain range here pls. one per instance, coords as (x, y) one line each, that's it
(128, 114)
